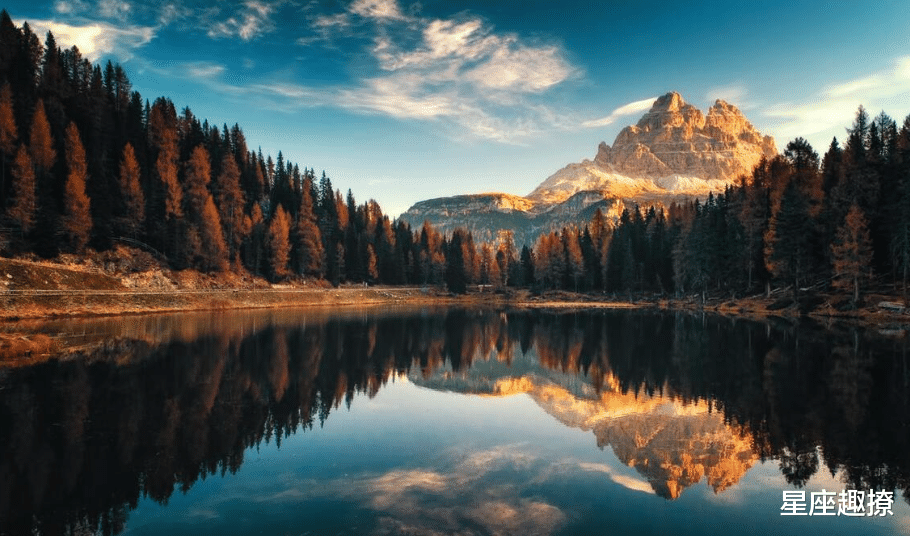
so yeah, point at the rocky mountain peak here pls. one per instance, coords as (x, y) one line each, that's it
(674, 147)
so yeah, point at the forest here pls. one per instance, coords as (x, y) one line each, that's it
(86, 162)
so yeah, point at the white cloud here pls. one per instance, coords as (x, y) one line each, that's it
(204, 70)
(171, 12)
(735, 94)
(69, 7)
(96, 39)
(834, 108)
(462, 72)
(117, 9)
(377, 9)
(632, 108)
(252, 20)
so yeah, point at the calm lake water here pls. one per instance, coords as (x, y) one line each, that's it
(461, 422)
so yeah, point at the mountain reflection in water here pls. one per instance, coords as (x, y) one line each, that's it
(151, 405)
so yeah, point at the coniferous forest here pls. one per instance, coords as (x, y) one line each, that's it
(86, 162)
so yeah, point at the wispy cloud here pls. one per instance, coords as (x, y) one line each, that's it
(632, 108)
(204, 69)
(96, 39)
(115, 9)
(736, 94)
(459, 71)
(834, 107)
(68, 7)
(377, 9)
(254, 18)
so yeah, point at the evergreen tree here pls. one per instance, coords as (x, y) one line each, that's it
(167, 196)
(790, 242)
(527, 267)
(456, 268)
(230, 202)
(77, 220)
(310, 257)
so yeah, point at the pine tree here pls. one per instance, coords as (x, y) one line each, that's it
(852, 252)
(167, 199)
(133, 214)
(22, 211)
(77, 220)
(790, 238)
(279, 247)
(456, 265)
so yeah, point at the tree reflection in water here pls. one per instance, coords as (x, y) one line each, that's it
(153, 404)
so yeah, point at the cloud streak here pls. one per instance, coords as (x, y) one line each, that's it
(632, 108)
(253, 19)
(835, 106)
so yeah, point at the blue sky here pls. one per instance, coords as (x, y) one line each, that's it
(403, 101)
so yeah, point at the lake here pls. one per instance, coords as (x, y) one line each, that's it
(452, 421)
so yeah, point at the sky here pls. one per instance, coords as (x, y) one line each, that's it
(404, 101)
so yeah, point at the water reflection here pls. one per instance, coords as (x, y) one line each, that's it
(147, 406)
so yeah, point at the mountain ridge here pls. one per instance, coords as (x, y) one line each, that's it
(673, 153)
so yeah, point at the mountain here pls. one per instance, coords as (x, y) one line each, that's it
(673, 445)
(674, 153)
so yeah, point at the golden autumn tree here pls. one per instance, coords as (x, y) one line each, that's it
(22, 210)
(131, 192)
(278, 244)
(214, 250)
(205, 241)
(41, 141)
(852, 252)
(77, 219)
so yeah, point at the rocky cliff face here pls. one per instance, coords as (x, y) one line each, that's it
(674, 153)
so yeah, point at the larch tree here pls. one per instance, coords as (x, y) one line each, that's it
(77, 219)
(279, 247)
(209, 252)
(41, 141)
(22, 210)
(133, 216)
(852, 252)
(214, 250)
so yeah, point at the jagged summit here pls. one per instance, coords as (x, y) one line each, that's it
(673, 148)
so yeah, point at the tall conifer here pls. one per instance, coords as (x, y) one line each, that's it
(77, 220)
